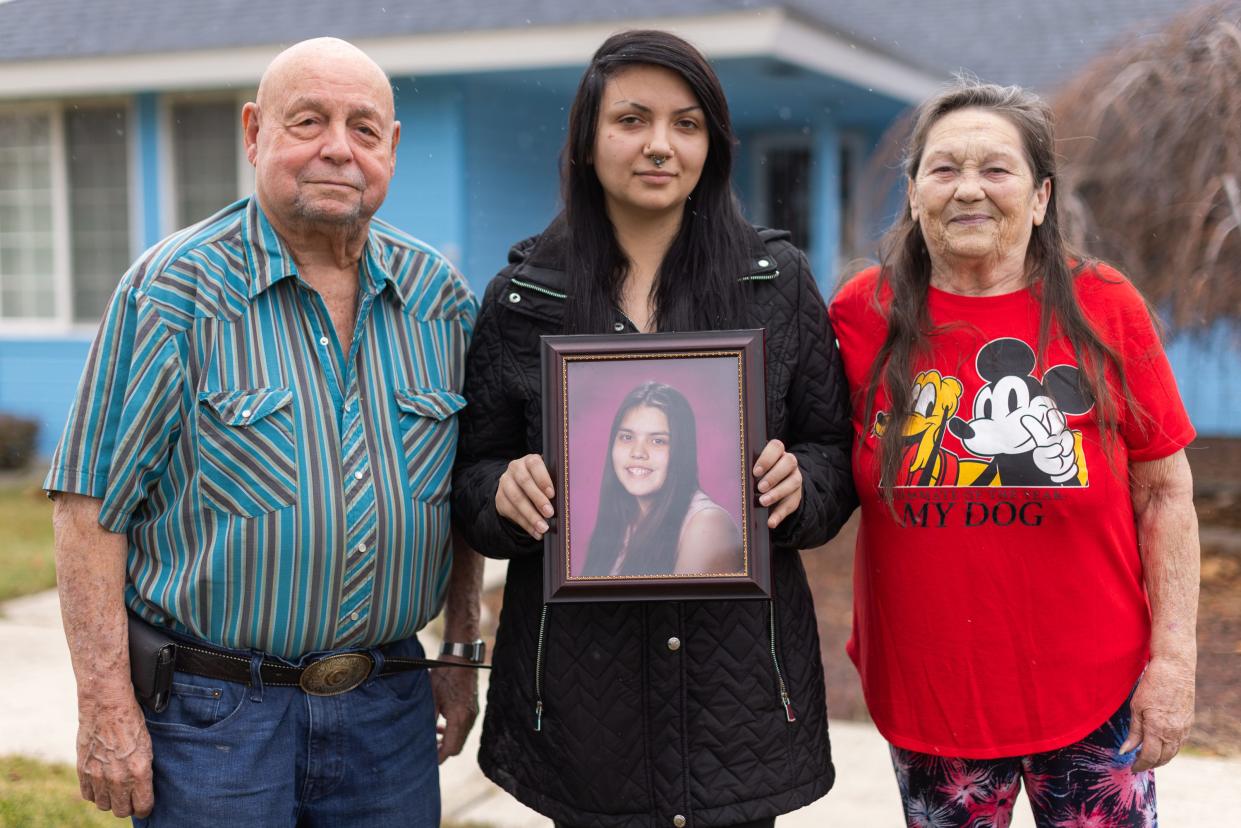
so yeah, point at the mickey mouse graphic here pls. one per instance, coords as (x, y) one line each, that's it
(1019, 421)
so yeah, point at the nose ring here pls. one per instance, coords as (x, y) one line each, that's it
(658, 160)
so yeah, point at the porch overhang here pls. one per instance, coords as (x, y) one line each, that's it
(771, 33)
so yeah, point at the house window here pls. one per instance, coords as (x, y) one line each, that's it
(788, 192)
(855, 240)
(27, 226)
(782, 186)
(98, 177)
(206, 151)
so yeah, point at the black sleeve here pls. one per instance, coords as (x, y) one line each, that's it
(819, 431)
(493, 433)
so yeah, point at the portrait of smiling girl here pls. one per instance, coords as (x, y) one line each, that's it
(653, 517)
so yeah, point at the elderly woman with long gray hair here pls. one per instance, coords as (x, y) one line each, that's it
(1027, 565)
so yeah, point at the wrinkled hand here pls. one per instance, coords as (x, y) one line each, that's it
(779, 482)
(1053, 445)
(455, 691)
(1162, 710)
(524, 495)
(114, 756)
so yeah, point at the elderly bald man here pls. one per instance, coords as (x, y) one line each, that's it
(251, 494)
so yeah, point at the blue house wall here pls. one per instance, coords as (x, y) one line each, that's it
(1205, 366)
(38, 377)
(146, 112)
(516, 130)
(426, 197)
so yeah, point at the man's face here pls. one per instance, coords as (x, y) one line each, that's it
(323, 141)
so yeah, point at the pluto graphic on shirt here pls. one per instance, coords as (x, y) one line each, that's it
(1016, 435)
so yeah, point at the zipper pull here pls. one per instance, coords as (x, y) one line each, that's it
(789, 715)
(538, 716)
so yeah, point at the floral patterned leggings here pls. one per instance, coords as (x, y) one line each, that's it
(1087, 784)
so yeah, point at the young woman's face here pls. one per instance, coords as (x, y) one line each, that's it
(648, 113)
(641, 449)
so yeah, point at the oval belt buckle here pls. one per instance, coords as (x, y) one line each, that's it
(336, 674)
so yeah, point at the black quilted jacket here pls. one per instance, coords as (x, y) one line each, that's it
(635, 729)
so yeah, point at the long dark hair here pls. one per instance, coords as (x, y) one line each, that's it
(652, 541)
(697, 284)
(905, 267)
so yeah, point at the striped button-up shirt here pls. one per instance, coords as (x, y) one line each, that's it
(277, 493)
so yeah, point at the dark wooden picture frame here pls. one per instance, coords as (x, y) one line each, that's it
(578, 376)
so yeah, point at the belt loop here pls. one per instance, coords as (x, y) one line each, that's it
(256, 677)
(377, 660)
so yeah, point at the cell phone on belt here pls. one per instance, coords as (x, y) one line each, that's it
(152, 659)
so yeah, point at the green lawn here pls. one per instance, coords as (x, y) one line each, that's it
(25, 538)
(36, 794)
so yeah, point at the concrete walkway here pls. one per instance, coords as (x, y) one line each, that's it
(38, 718)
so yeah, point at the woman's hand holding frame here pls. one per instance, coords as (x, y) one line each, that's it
(524, 495)
(779, 482)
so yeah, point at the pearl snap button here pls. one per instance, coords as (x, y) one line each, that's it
(514, 297)
(678, 821)
(618, 326)
(353, 616)
(763, 263)
(245, 412)
(674, 643)
(357, 475)
(323, 340)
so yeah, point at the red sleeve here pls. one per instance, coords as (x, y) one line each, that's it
(849, 308)
(1159, 425)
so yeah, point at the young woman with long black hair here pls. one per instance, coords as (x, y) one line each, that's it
(661, 713)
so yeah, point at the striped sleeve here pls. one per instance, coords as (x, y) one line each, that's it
(126, 414)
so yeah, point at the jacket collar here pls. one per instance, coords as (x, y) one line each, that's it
(539, 261)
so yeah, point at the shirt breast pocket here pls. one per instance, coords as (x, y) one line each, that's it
(429, 439)
(246, 450)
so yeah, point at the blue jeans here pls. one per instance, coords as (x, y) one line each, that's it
(236, 755)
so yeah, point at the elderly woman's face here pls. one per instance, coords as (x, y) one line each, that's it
(974, 194)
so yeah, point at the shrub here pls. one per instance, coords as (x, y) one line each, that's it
(17, 441)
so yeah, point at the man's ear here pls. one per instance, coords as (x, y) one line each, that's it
(250, 130)
(396, 139)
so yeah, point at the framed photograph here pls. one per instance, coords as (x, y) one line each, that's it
(651, 441)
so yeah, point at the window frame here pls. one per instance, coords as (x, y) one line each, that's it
(851, 233)
(62, 300)
(168, 192)
(853, 236)
(763, 143)
(133, 198)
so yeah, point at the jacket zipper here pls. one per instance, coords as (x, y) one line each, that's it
(785, 699)
(540, 289)
(538, 674)
(760, 277)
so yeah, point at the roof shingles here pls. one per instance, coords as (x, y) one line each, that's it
(1009, 41)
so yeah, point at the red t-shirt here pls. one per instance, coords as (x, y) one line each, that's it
(1003, 611)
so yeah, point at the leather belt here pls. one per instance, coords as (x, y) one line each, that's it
(329, 675)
